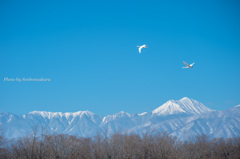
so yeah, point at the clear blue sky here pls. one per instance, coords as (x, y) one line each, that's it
(88, 49)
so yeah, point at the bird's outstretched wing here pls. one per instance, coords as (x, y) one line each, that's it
(192, 64)
(140, 48)
(186, 63)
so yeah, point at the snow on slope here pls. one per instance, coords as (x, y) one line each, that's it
(214, 124)
(183, 118)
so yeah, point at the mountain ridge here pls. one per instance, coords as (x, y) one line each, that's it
(182, 118)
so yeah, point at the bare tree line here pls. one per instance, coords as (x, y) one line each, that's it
(118, 146)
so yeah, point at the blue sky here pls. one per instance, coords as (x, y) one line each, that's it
(88, 49)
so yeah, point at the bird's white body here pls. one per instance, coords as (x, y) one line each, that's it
(188, 66)
(140, 48)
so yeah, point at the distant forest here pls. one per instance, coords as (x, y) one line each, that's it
(118, 146)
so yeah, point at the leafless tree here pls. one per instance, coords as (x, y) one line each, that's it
(159, 145)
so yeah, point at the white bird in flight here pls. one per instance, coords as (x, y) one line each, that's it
(188, 66)
(140, 48)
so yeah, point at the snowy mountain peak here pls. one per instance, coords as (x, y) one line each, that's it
(185, 99)
(184, 105)
(170, 107)
(44, 114)
(141, 114)
(122, 113)
(80, 113)
(118, 115)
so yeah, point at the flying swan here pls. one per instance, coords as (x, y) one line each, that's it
(140, 48)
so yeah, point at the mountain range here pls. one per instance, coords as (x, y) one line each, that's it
(185, 118)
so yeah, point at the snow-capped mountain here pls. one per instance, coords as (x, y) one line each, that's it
(184, 118)
(183, 106)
